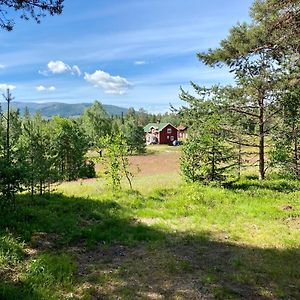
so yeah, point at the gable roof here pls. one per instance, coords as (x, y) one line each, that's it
(181, 127)
(157, 126)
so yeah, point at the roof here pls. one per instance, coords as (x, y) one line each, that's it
(181, 127)
(157, 126)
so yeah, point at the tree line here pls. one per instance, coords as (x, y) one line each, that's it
(36, 152)
(257, 115)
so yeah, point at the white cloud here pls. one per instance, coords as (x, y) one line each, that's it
(2, 67)
(52, 88)
(42, 88)
(110, 84)
(76, 70)
(140, 62)
(5, 86)
(59, 67)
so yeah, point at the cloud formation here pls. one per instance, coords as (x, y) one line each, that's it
(110, 84)
(5, 86)
(42, 88)
(59, 67)
(2, 67)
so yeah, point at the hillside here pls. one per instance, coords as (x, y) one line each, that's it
(163, 240)
(63, 109)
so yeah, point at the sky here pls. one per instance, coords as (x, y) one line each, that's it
(130, 53)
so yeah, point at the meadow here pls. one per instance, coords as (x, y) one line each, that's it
(163, 240)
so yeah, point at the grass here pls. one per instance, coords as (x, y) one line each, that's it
(163, 240)
(157, 149)
(150, 150)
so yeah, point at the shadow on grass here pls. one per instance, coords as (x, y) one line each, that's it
(279, 185)
(96, 249)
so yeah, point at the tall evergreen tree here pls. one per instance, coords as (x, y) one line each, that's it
(11, 172)
(258, 77)
(206, 154)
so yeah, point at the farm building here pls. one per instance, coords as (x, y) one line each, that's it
(160, 133)
(182, 132)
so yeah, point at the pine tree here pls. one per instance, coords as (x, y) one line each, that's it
(11, 172)
(258, 78)
(207, 156)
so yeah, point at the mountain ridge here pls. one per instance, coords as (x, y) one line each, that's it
(49, 109)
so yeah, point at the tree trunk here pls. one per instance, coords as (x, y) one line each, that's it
(213, 163)
(296, 154)
(32, 179)
(261, 140)
(41, 187)
(8, 99)
(8, 128)
(240, 158)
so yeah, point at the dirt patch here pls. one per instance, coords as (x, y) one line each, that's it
(44, 241)
(287, 207)
(293, 222)
(135, 273)
(160, 163)
(156, 164)
(173, 271)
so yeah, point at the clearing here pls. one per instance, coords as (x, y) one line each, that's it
(164, 240)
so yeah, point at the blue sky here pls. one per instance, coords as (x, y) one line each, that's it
(128, 53)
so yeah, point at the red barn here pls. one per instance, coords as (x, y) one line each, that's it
(160, 133)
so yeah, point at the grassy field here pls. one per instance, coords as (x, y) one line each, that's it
(164, 240)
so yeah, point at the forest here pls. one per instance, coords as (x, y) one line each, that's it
(37, 152)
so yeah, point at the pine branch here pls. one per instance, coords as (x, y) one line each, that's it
(244, 112)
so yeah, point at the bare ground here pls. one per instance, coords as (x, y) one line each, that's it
(180, 272)
(159, 163)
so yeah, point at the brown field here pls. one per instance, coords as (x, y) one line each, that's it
(159, 163)
(160, 159)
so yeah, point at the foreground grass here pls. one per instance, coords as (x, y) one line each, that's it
(185, 242)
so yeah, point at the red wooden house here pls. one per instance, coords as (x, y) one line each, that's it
(160, 133)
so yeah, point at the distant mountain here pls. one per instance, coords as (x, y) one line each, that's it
(63, 109)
